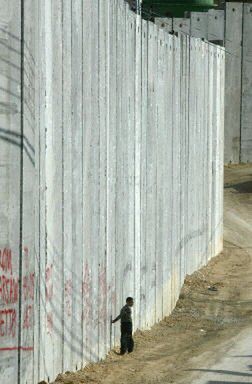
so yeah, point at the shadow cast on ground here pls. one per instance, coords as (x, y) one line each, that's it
(228, 382)
(245, 187)
(223, 372)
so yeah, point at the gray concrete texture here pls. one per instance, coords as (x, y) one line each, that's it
(238, 93)
(205, 25)
(111, 177)
(233, 45)
(233, 28)
(246, 107)
(182, 25)
(165, 23)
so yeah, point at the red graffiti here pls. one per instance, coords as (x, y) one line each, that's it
(103, 281)
(68, 297)
(49, 283)
(28, 286)
(26, 257)
(8, 322)
(49, 322)
(6, 260)
(86, 286)
(8, 289)
(86, 294)
(102, 294)
(49, 295)
(28, 349)
(111, 291)
(28, 317)
(113, 298)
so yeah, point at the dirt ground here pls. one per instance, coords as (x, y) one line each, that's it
(203, 319)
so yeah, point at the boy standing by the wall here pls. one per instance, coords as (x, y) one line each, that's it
(127, 342)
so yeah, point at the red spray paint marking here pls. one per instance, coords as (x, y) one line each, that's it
(28, 286)
(68, 297)
(28, 317)
(9, 289)
(49, 283)
(8, 322)
(6, 260)
(103, 293)
(86, 294)
(26, 257)
(49, 323)
(16, 349)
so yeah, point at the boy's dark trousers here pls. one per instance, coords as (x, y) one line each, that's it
(127, 342)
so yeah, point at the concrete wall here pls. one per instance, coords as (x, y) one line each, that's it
(238, 93)
(232, 28)
(205, 25)
(233, 44)
(246, 107)
(111, 177)
(10, 188)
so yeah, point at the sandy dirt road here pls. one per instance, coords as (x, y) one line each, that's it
(208, 337)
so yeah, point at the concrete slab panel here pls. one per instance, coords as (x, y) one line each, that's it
(161, 198)
(210, 146)
(233, 44)
(164, 22)
(216, 26)
(176, 207)
(151, 135)
(181, 24)
(199, 25)
(11, 184)
(73, 279)
(246, 110)
(144, 108)
(28, 277)
(138, 128)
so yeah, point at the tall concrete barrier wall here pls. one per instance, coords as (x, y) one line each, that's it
(231, 27)
(10, 189)
(111, 177)
(238, 94)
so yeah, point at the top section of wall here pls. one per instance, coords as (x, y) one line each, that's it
(175, 8)
(238, 110)
(231, 27)
(205, 25)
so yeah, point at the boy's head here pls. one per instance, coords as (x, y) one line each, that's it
(130, 301)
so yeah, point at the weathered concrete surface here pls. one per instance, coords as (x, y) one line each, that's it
(165, 23)
(94, 177)
(216, 26)
(10, 184)
(238, 114)
(199, 25)
(246, 94)
(182, 25)
(233, 44)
